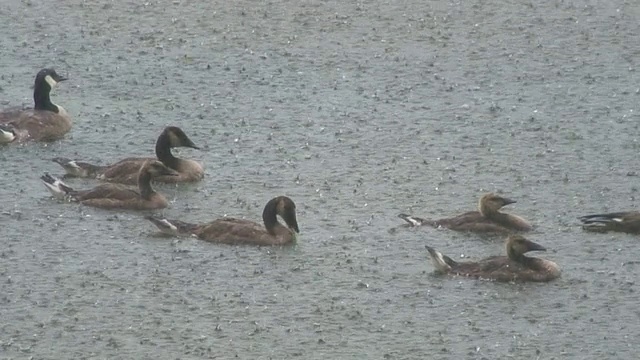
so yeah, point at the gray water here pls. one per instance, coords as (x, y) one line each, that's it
(358, 111)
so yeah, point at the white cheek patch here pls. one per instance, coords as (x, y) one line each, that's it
(61, 110)
(50, 81)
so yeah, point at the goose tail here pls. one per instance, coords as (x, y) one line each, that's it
(7, 134)
(56, 187)
(77, 168)
(601, 218)
(441, 262)
(416, 221)
(601, 222)
(172, 227)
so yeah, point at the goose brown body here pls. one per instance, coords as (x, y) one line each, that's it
(116, 196)
(46, 121)
(513, 267)
(487, 219)
(240, 231)
(126, 171)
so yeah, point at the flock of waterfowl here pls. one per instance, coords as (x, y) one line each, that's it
(47, 121)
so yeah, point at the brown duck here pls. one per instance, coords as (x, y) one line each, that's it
(239, 231)
(45, 122)
(487, 219)
(126, 171)
(513, 267)
(115, 196)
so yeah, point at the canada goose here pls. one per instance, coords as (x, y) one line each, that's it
(625, 221)
(116, 196)
(239, 231)
(513, 267)
(488, 218)
(45, 122)
(126, 171)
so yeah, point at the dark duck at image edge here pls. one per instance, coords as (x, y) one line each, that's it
(623, 221)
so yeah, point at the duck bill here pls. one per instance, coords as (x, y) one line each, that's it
(508, 201)
(531, 246)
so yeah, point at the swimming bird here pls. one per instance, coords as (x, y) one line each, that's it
(126, 171)
(625, 221)
(45, 122)
(239, 231)
(487, 219)
(513, 267)
(116, 196)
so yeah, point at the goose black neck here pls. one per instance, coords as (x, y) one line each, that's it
(41, 98)
(163, 151)
(269, 216)
(144, 184)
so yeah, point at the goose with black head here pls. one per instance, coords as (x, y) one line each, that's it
(126, 171)
(46, 121)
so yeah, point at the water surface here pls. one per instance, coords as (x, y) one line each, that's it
(358, 111)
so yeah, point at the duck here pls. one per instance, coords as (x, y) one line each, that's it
(624, 221)
(126, 171)
(487, 219)
(235, 231)
(514, 267)
(116, 196)
(45, 122)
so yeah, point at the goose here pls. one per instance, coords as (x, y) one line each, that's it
(116, 196)
(487, 219)
(126, 171)
(513, 267)
(45, 122)
(239, 231)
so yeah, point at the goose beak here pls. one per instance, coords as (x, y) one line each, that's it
(191, 144)
(294, 227)
(292, 223)
(508, 201)
(531, 246)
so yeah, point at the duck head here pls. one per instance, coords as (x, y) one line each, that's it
(518, 245)
(177, 138)
(286, 208)
(48, 76)
(491, 203)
